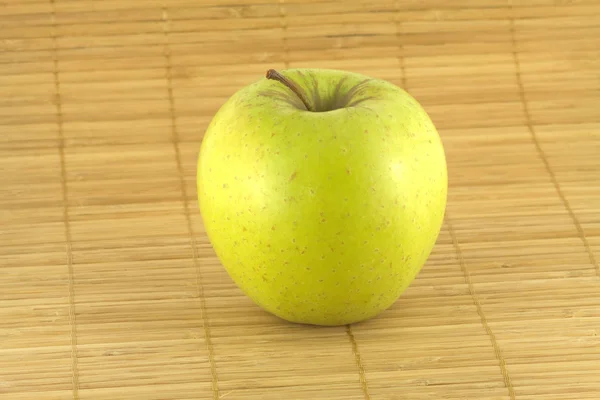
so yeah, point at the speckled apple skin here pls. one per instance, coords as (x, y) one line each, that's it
(322, 218)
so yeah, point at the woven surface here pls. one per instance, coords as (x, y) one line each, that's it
(109, 288)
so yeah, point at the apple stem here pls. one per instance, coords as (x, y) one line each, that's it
(273, 74)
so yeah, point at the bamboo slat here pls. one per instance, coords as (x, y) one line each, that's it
(110, 289)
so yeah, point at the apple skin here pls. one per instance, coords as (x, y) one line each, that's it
(322, 218)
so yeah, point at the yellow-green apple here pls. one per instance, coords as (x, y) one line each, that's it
(322, 192)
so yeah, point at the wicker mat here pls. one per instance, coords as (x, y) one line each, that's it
(109, 288)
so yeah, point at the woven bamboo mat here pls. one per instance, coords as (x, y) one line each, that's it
(109, 288)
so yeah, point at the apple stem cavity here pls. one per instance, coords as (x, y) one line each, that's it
(276, 76)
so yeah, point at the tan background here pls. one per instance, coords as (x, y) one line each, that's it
(110, 290)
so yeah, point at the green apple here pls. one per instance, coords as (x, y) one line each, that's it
(322, 192)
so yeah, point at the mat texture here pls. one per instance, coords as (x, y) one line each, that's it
(109, 288)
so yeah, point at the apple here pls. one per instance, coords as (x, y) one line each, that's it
(322, 193)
